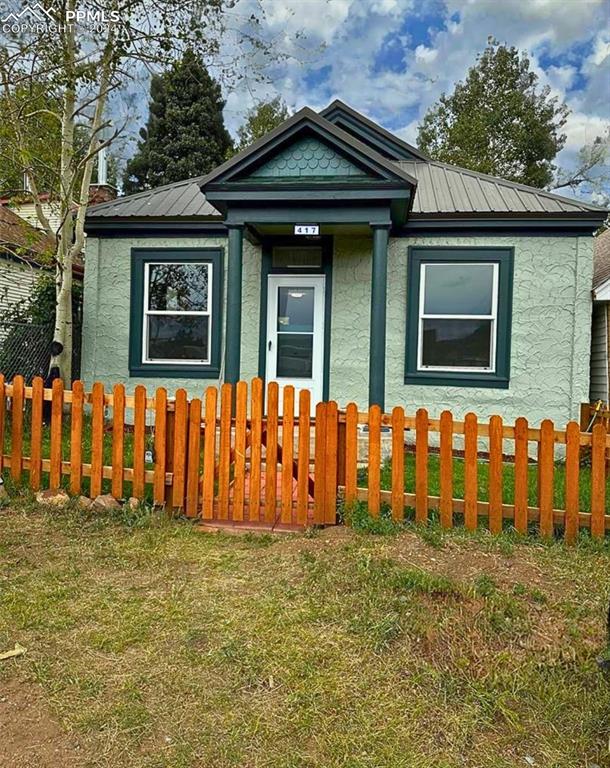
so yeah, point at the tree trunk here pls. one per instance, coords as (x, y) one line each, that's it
(63, 323)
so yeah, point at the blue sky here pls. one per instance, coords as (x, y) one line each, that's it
(391, 59)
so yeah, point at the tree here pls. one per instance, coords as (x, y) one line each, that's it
(591, 174)
(81, 56)
(497, 121)
(185, 135)
(260, 119)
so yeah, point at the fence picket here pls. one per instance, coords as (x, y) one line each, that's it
(330, 480)
(421, 465)
(446, 469)
(76, 437)
(160, 449)
(256, 448)
(398, 463)
(521, 475)
(194, 458)
(495, 474)
(546, 468)
(36, 432)
(351, 453)
(598, 480)
(97, 438)
(374, 462)
(287, 452)
(241, 415)
(209, 453)
(572, 501)
(139, 441)
(319, 500)
(303, 457)
(470, 471)
(17, 429)
(224, 461)
(179, 449)
(118, 440)
(56, 452)
(271, 453)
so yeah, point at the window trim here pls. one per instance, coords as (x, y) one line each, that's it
(499, 375)
(146, 313)
(140, 258)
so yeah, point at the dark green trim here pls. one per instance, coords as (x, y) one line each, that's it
(234, 294)
(291, 214)
(379, 295)
(369, 132)
(326, 269)
(547, 225)
(139, 257)
(421, 255)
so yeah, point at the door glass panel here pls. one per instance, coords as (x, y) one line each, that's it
(294, 355)
(295, 310)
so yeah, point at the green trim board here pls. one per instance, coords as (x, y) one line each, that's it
(326, 241)
(504, 257)
(142, 256)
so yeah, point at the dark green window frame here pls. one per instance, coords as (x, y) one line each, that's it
(504, 258)
(139, 258)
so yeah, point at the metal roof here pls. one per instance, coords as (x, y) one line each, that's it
(449, 189)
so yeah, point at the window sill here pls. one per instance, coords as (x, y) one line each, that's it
(175, 371)
(436, 379)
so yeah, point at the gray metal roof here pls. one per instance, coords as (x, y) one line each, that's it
(443, 188)
(183, 199)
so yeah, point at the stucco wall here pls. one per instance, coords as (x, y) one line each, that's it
(105, 350)
(551, 324)
(550, 330)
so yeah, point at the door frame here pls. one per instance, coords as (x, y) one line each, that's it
(267, 243)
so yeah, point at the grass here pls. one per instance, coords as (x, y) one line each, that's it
(157, 646)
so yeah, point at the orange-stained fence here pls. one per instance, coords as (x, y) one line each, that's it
(240, 455)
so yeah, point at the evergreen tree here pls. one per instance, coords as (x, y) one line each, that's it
(262, 118)
(185, 135)
(497, 121)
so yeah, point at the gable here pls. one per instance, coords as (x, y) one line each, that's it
(308, 158)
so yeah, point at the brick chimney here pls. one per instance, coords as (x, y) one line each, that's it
(101, 191)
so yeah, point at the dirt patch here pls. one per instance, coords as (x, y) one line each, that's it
(30, 737)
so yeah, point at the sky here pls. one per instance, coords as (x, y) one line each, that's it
(392, 59)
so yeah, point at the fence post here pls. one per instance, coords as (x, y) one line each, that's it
(319, 468)
(97, 437)
(160, 446)
(351, 453)
(209, 453)
(139, 441)
(241, 415)
(303, 460)
(330, 505)
(398, 463)
(495, 474)
(446, 469)
(17, 429)
(179, 452)
(224, 461)
(287, 452)
(256, 448)
(36, 432)
(271, 453)
(470, 471)
(598, 480)
(76, 437)
(546, 467)
(421, 465)
(374, 484)
(194, 458)
(521, 475)
(572, 501)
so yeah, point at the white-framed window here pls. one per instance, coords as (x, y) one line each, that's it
(177, 318)
(458, 316)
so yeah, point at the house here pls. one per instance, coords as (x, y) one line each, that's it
(600, 335)
(333, 255)
(24, 251)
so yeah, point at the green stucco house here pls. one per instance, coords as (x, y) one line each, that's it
(334, 256)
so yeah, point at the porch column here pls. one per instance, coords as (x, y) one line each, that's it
(233, 322)
(379, 281)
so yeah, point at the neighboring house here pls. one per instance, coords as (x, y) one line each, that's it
(24, 251)
(414, 282)
(600, 330)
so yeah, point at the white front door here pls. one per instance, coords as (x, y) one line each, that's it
(295, 332)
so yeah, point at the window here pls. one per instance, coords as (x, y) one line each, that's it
(177, 322)
(459, 316)
(175, 312)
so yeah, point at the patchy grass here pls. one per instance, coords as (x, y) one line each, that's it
(156, 646)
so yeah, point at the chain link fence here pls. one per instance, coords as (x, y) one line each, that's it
(25, 348)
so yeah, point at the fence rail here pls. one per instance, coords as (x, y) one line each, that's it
(235, 456)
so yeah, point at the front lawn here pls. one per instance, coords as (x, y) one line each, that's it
(152, 645)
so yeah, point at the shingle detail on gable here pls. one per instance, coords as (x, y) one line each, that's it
(307, 158)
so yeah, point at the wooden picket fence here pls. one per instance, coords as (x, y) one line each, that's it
(234, 457)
